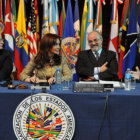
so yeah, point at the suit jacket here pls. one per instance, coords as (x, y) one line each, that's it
(137, 61)
(6, 64)
(46, 72)
(87, 62)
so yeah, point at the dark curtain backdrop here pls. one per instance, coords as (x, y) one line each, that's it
(106, 14)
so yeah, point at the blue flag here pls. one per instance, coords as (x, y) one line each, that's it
(131, 47)
(69, 41)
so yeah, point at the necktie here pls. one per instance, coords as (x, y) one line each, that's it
(97, 56)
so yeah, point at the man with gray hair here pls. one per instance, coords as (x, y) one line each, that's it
(96, 63)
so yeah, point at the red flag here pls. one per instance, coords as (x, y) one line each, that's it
(1, 21)
(113, 43)
(123, 42)
(9, 28)
(37, 22)
(31, 32)
(62, 20)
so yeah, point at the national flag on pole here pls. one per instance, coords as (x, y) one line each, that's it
(138, 28)
(138, 1)
(8, 29)
(122, 36)
(62, 20)
(14, 13)
(21, 49)
(37, 23)
(98, 22)
(31, 32)
(84, 17)
(77, 26)
(114, 38)
(131, 48)
(69, 41)
(1, 21)
(77, 33)
(89, 24)
(53, 16)
(138, 21)
(114, 13)
(45, 25)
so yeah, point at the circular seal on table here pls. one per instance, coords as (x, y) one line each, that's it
(43, 117)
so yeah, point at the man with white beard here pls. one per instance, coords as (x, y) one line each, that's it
(96, 63)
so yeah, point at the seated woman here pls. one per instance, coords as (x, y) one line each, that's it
(6, 64)
(43, 66)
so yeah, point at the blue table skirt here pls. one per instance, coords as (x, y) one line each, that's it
(88, 111)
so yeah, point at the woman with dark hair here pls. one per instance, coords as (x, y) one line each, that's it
(43, 66)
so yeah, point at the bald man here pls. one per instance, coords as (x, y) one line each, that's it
(96, 63)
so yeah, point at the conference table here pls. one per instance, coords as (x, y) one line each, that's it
(88, 110)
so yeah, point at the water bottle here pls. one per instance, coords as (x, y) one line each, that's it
(128, 79)
(58, 77)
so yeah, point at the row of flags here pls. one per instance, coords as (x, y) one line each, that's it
(24, 43)
(123, 41)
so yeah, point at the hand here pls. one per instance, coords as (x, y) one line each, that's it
(136, 75)
(103, 67)
(51, 80)
(32, 79)
(90, 78)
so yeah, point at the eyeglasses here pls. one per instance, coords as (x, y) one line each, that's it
(95, 40)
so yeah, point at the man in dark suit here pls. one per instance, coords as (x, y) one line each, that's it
(96, 63)
(6, 64)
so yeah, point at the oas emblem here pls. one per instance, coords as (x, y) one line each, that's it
(43, 117)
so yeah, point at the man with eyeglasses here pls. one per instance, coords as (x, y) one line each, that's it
(96, 63)
(6, 65)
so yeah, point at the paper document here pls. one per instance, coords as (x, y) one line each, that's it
(92, 82)
(116, 84)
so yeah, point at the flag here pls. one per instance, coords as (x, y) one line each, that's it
(31, 32)
(84, 17)
(8, 29)
(53, 16)
(114, 38)
(98, 22)
(77, 33)
(122, 36)
(138, 1)
(138, 28)
(68, 42)
(114, 13)
(21, 50)
(113, 41)
(45, 25)
(14, 13)
(37, 23)
(62, 20)
(89, 24)
(77, 26)
(131, 48)
(1, 21)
